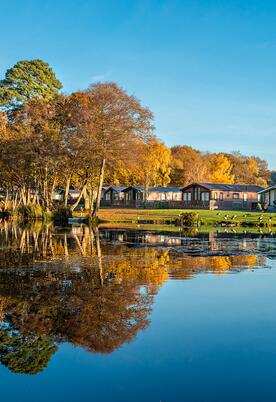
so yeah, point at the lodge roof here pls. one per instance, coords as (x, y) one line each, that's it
(228, 187)
(268, 189)
(154, 189)
(118, 189)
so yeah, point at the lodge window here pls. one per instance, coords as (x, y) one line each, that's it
(174, 196)
(107, 196)
(215, 196)
(236, 196)
(221, 196)
(162, 197)
(187, 196)
(205, 196)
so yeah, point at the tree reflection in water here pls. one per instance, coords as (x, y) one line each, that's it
(25, 354)
(71, 285)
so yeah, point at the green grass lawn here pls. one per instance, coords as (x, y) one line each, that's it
(164, 228)
(169, 215)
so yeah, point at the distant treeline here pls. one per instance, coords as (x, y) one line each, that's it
(183, 165)
(191, 165)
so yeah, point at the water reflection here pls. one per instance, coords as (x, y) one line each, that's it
(95, 288)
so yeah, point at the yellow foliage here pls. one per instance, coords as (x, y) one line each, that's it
(188, 165)
(153, 164)
(145, 266)
(220, 169)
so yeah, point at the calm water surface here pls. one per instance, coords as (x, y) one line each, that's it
(129, 316)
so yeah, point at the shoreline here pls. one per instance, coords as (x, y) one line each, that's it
(170, 216)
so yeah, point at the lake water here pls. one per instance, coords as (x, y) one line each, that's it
(127, 315)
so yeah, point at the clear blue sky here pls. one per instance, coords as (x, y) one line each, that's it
(207, 69)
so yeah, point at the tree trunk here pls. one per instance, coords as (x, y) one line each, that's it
(35, 198)
(28, 201)
(45, 187)
(67, 187)
(66, 253)
(6, 200)
(23, 196)
(99, 255)
(53, 187)
(146, 190)
(100, 187)
(91, 197)
(14, 202)
(74, 206)
(86, 200)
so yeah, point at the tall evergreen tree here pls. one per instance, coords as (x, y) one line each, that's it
(25, 80)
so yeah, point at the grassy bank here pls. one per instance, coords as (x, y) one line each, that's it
(167, 216)
(163, 228)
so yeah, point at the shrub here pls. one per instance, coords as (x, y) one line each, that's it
(61, 214)
(188, 219)
(30, 212)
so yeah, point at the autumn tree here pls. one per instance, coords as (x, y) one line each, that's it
(188, 165)
(101, 309)
(152, 164)
(263, 171)
(156, 163)
(249, 169)
(108, 124)
(33, 152)
(122, 173)
(220, 169)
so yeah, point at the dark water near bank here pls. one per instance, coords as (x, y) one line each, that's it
(129, 316)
